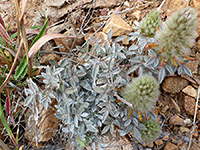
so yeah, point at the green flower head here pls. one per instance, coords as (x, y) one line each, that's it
(149, 23)
(142, 93)
(177, 35)
(152, 131)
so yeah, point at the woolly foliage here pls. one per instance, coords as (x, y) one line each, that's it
(142, 92)
(178, 34)
(149, 23)
(152, 130)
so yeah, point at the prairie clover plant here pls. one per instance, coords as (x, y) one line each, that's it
(166, 50)
(149, 24)
(99, 94)
(142, 92)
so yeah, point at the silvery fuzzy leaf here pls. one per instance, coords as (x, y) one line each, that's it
(84, 114)
(127, 123)
(132, 38)
(32, 86)
(70, 90)
(137, 134)
(105, 115)
(28, 92)
(130, 53)
(169, 69)
(76, 121)
(105, 129)
(121, 55)
(161, 75)
(104, 144)
(90, 99)
(57, 71)
(122, 132)
(102, 80)
(180, 69)
(187, 71)
(81, 73)
(99, 89)
(133, 47)
(116, 71)
(120, 38)
(91, 128)
(65, 130)
(99, 123)
(152, 52)
(135, 121)
(64, 63)
(111, 63)
(116, 122)
(53, 63)
(111, 128)
(132, 69)
(86, 85)
(109, 35)
(124, 118)
(95, 70)
(116, 114)
(136, 23)
(150, 61)
(156, 63)
(30, 99)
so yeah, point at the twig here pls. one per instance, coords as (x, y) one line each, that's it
(161, 5)
(123, 100)
(194, 120)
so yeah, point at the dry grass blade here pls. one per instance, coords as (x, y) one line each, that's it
(2, 22)
(43, 40)
(32, 31)
(12, 68)
(4, 34)
(24, 2)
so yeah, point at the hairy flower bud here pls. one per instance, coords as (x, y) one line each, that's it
(149, 23)
(142, 92)
(177, 35)
(152, 131)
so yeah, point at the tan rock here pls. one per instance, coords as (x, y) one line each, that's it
(45, 58)
(170, 146)
(184, 129)
(176, 120)
(117, 25)
(182, 146)
(48, 123)
(174, 84)
(149, 144)
(193, 66)
(159, 142)
(99, 38)
(189, 105)
(166, 137)
(189, 90)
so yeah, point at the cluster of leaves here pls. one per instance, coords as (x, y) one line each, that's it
(88, 93)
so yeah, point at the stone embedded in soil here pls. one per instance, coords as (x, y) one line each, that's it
(170, 146)
(184, 129)
(48, 123)
(117, 25)
(189, 90)
(189, 105)
(174, 84)
(176, 120)
(99, 38)
(159, 142)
